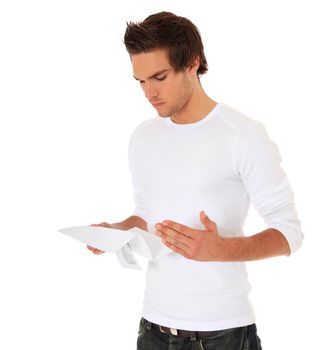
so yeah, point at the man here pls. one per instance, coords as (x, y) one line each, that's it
(199, 157)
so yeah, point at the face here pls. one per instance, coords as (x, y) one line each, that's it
(166, 90)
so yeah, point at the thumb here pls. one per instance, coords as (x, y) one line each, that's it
(209, 224)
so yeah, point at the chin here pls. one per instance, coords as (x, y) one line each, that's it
(164, 115)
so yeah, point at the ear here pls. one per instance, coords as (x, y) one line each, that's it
(194, 65)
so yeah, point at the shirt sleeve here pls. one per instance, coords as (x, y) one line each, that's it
(257, 161)
(140, 204)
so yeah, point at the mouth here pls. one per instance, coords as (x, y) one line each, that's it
(158, 104)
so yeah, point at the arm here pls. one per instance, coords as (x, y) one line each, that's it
(132, 221)
(257, 164)
(208, 245)
(265, 244)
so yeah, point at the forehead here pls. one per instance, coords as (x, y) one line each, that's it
(148, 63)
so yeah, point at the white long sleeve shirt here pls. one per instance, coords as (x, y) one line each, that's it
(219, 164)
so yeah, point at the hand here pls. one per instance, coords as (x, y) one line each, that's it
(102, 224)
(200, 245)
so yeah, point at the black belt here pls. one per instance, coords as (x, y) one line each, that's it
(184, 333)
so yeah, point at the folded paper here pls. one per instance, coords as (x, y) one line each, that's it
(124, 243)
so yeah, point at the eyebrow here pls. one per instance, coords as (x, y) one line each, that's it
(155, 74)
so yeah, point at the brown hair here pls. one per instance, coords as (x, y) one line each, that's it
(165, 30)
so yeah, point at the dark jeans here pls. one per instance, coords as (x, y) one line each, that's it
(241, 338)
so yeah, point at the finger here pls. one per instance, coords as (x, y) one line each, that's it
(209, 224)
(176, 238)
(183, 229)
(93, 249)
(105, 224)
(98, 252)
(178, 250)
(174, 234)
(102, 224)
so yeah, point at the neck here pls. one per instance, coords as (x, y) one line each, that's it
(195, 109)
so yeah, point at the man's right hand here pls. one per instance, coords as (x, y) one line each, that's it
(132, 221)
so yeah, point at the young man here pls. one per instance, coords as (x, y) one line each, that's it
(195, 169)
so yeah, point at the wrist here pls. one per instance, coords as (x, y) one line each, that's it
(131, 222)
(232, 248)
(140, 223)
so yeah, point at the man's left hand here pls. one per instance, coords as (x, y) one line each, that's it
(200, 245)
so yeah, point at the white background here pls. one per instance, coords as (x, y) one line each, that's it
(68, 105)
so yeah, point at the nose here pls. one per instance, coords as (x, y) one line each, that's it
(150, 90)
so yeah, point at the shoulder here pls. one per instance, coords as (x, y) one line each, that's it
(145, 126)
(239, 122)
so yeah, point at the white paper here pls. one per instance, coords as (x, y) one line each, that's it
(127, 258)
(124, 243)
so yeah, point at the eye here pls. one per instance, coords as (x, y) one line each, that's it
(160, 78)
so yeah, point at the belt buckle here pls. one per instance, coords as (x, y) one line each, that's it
(173, 330)
(161, 329)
